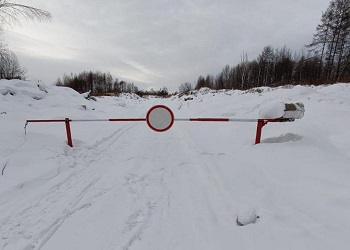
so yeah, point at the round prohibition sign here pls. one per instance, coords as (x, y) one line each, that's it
(160, 118)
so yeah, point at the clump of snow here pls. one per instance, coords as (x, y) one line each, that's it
(246, 217)
(86, 95)
(282, 110)
(272, 111)
(42, 88)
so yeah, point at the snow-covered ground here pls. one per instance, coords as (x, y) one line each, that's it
(124, 186)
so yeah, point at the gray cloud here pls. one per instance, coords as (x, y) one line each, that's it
(159, 42)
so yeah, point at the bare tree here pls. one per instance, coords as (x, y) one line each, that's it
(244, 69)
(185, 88)
(12, 13)
(9, 65)
(333, 39)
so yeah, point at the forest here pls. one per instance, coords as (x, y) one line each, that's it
(326, 61)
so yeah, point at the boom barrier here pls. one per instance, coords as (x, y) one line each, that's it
(160, 119)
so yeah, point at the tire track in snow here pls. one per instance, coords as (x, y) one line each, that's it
(96, 153)
(191, 189)
(207, 170)
(144, 184)
(32, 226)
(170, 174)
(42, 217)
(148, 194)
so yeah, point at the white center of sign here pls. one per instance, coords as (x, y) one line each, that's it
(160, 118)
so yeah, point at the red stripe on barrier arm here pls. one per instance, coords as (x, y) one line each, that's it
(128, 120)
(209, 119)
(45, 121)
(28, 121)
(66, 121)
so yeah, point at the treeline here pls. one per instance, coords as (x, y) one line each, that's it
(163, 92)
(273, 67)
(96, 82)
(100, 83)
(327, 59)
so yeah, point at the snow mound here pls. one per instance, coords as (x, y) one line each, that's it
(272, 111)
(22, 89)
(17, 94)
(283, 110)
(303, 90)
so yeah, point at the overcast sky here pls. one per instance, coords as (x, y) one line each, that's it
(156, 43)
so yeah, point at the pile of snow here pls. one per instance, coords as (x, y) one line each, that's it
(197, 186)
(272, 111)
(283, 110)
(22, 90)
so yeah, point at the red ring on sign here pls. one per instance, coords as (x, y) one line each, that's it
(161, 107)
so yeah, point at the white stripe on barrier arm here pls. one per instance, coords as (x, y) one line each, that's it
(89, 120)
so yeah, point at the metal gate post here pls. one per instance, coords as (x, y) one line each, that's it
(69, 136)
(260, 125)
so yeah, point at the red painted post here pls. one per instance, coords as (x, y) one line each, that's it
(69, 136)
(260, 125)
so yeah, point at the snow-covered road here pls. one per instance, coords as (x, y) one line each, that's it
(124, 186)
(130, 190)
